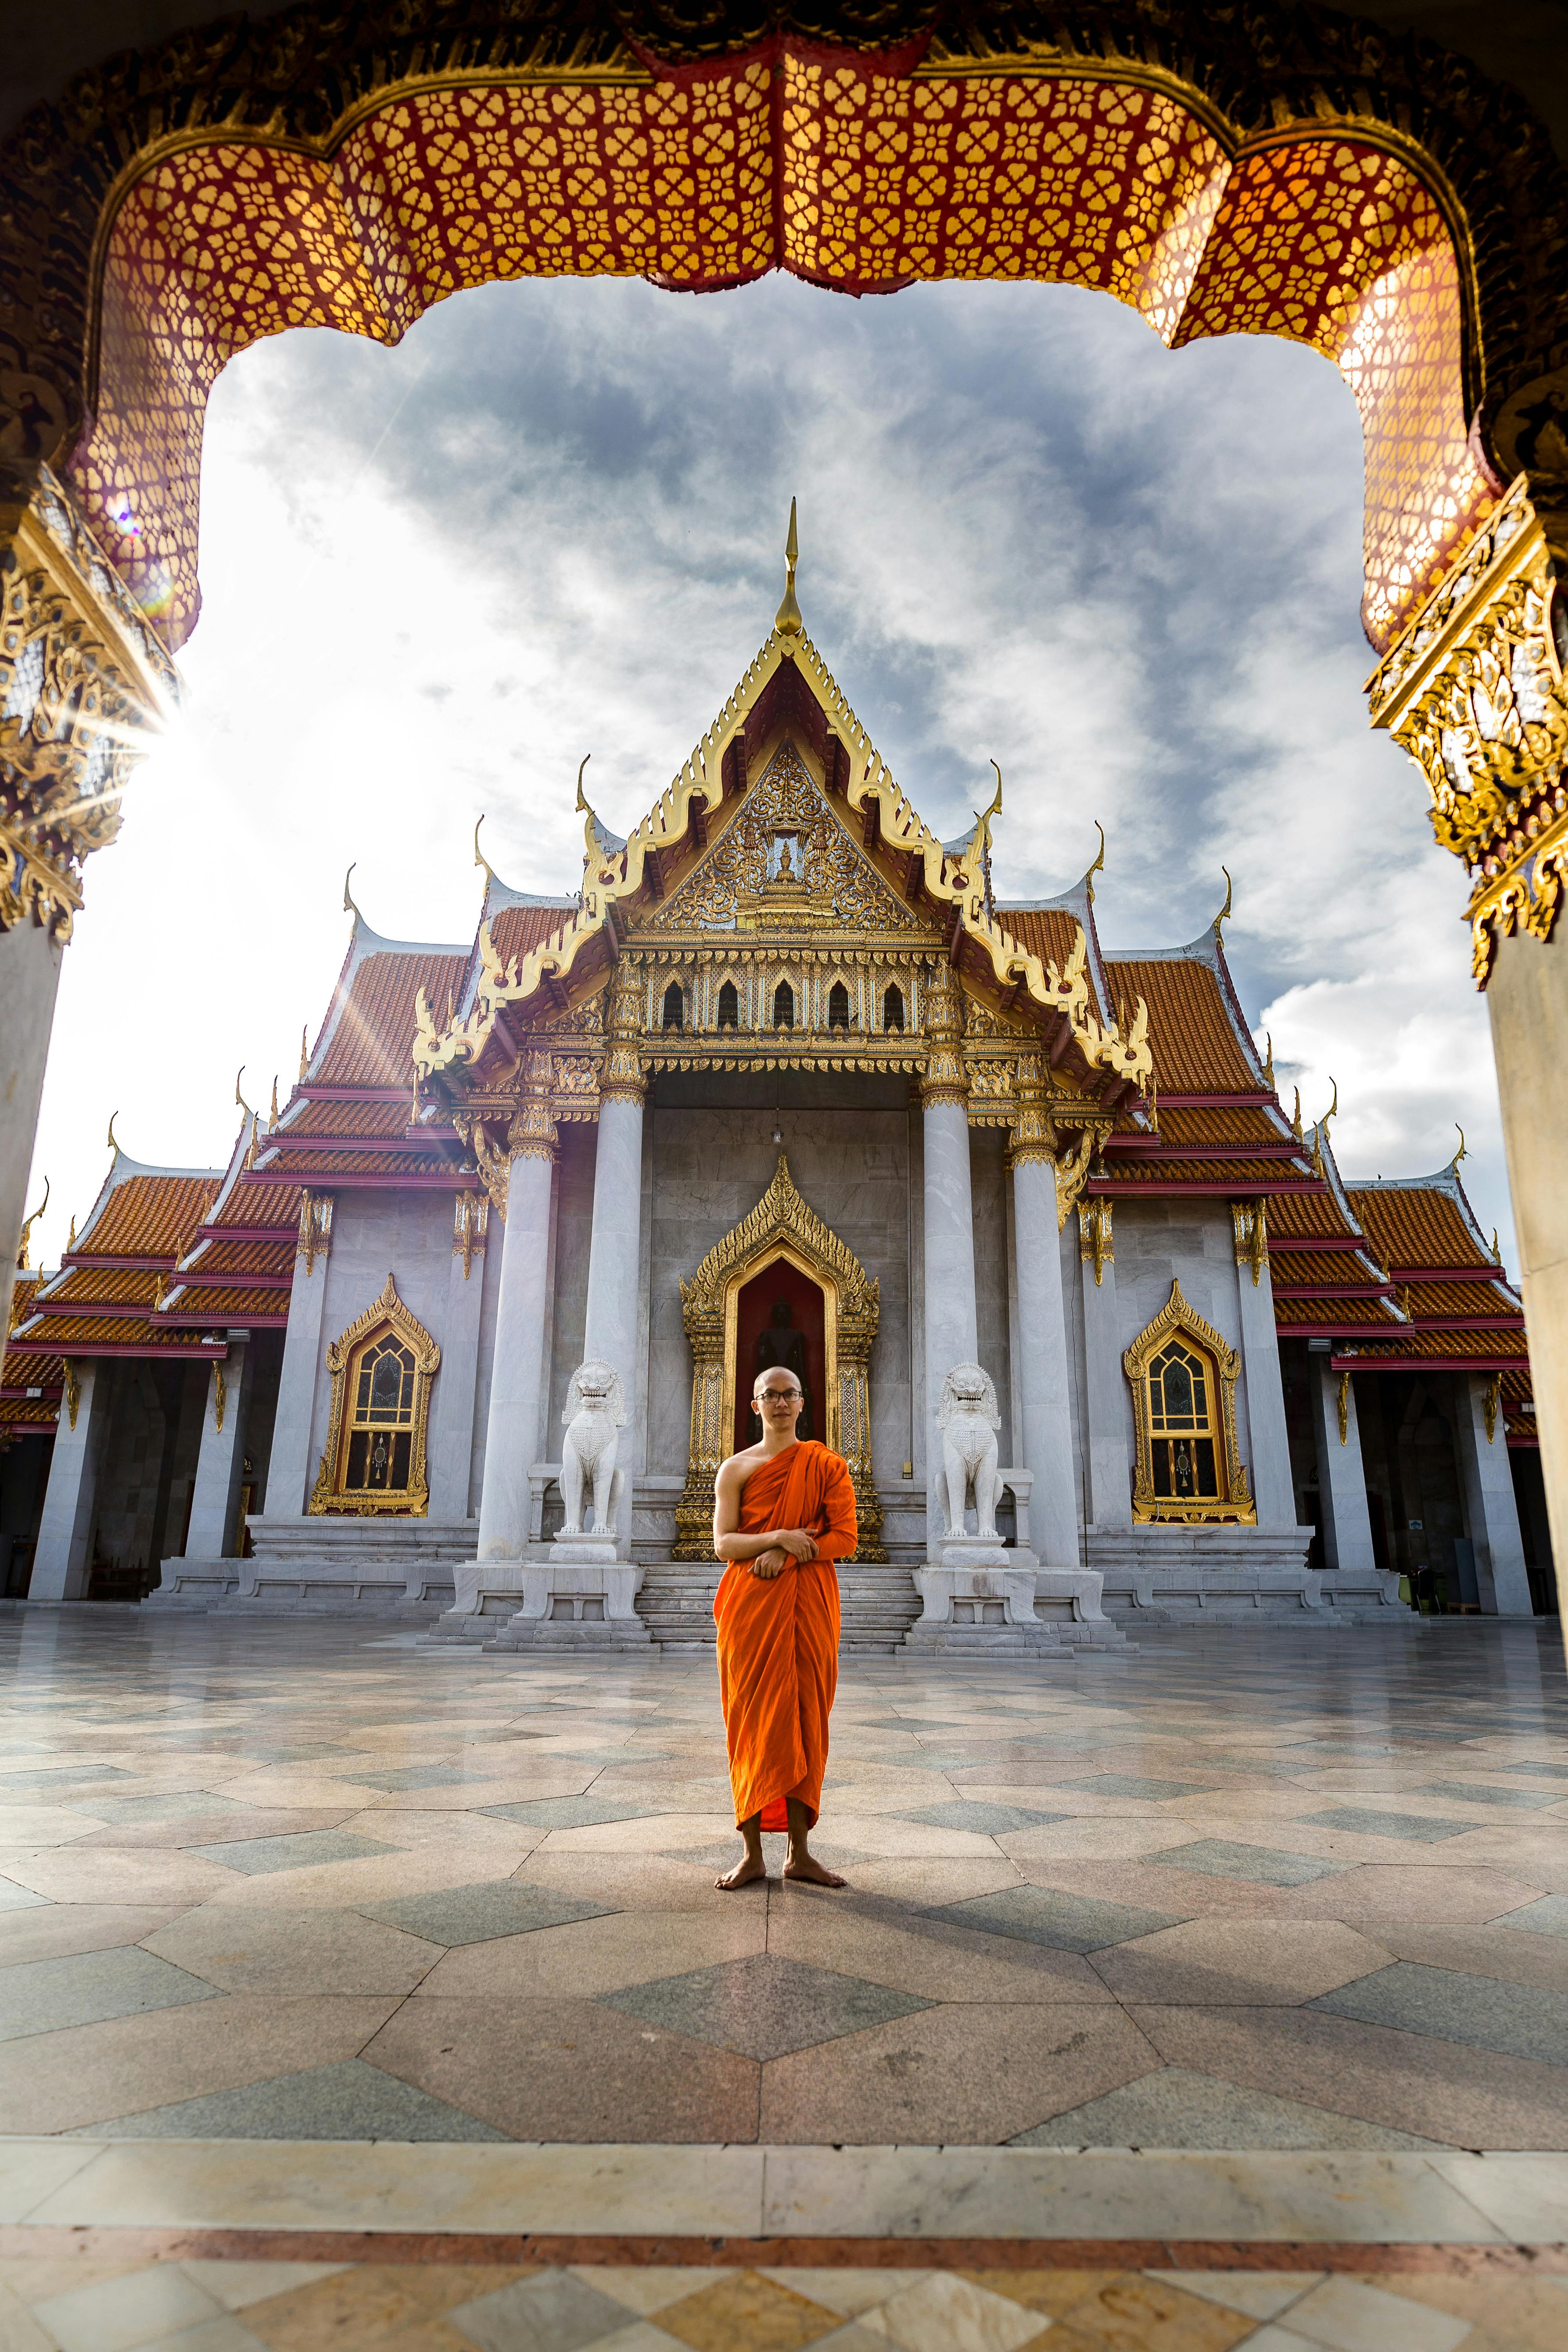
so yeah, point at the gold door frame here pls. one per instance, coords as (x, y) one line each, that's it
(771, 1254)
(782, 1226)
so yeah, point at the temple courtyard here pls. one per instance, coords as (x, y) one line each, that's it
(1286, 1914)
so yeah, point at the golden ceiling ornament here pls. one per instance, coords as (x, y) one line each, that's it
(782, 1225)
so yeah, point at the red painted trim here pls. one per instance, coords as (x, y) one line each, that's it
(1334, 1290)
(447, 1180)
(310, 1092)
(1110, 1187)
(1279, 1243)
(74, 1348)
(1221, 1102)
(26, 1396)
(1330, 1329)
(1467, 1323)
(74, 1258)
(80, 1307)
(1243, 1149)
(198, 1278)
(247, 1233)
(1422, 1363)
(281, 1142)
(1449, 1274)
(225, 1322)
(1525, 1445)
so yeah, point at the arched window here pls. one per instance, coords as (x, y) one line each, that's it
(838, 1006)
(674, 1006)
(1184, 1379)
(783, 1006)
(893, 1008)
(729, 1006)
(381, 1370)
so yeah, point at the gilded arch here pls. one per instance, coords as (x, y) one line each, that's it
(782, 1225)
(1374, 196)
(341, 1488)
(1215, 1422)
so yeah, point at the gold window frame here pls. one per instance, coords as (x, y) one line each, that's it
(1234, 1507)
(329, 1496)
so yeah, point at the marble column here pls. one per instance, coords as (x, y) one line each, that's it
(1341, 1475)
(220, 1465)
(614, 1247)
(1489, 1503)
(29, 980)
(1527, 1001)
(950, 1330)
(514, 1440)
(1040, 1365)
(1105, 1383)
(451, 1443)
(291, 1466)
(1268, 1459)
(62, 1564)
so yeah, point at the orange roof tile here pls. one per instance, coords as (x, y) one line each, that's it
(76, 1335)
(1297, 1215)
(1415, 1226)
(1301, 1268)
(1248, 1123)
(346, 1119)
(516, 930)
(1195, 1046)
(373, 1040)
(103, 1285)
(236, 1306)
(150, 1216)
(262, 1204)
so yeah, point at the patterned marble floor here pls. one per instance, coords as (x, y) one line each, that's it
(72, 2305)
(1283, 1891)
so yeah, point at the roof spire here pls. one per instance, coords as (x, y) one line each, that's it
(788, 622)
(273, 1115)
(305, 1057)
(1268, 1059)
(349, 907)
(1462, 1153)
(1224, 910)
(112, 1139)
(581, 800)
(29, 1222)
(1099, 866)
(238, 1098)
(479, 857)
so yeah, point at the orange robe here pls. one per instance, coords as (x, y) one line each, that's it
(778, 1637)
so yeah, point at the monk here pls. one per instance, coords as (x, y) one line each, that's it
(784, 1512)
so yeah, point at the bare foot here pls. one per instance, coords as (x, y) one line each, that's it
(814, 1873)
(744, 1872)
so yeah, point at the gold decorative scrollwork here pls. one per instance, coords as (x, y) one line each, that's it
(331, 1495)
(470, 1224)
(1233, 1504)
(623, 1077)
(315, 1228)
(1094, 1235)
(946, 1078)
(1250, 1221)
(781, 1225)
(1474, 692)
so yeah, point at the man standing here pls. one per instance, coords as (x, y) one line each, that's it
(783, 1513)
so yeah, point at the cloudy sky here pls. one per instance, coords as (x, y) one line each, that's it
(551, 523)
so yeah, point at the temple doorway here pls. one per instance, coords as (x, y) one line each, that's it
(780, 1283)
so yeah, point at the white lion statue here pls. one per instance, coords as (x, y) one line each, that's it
(595, 1414)
(968, 1419)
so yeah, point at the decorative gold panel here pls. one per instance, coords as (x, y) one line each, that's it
(330, 1495)
(1234, 1506)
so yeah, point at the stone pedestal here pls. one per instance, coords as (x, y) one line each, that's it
(979, 1595)
(1067, 1601)
(583, 1597)
(517, 1364)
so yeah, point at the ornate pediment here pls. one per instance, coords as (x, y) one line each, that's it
(783, 865)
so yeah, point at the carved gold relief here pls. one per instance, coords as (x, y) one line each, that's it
(1250, 1221)
(1474, 691)
(1094, 1235)
(470, 1224)
(782, 1225)
(83, 683)
(315, 1228)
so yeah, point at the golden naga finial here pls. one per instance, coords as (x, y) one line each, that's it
(1224, 910)
(238, 1098)
(1099, 866)
(479, 857)
(1296, 1120)
(582, 796)
(1462, 1153)
(995, 807)
(70, 1243)
(304, 1053)
(272, 1114)
(27, 1225)
(1497, 1253)
(788, 622)
(1268, 1059)
(349, 907)
(112, 1139)
(1333, 1108)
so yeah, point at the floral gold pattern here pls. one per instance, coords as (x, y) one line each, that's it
(328, 1496)
(1235, 1506)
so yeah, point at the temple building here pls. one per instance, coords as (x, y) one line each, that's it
(785, 1080)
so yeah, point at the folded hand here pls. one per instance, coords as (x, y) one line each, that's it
(768, 1563)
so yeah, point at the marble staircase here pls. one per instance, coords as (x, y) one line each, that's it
(876, 1606)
